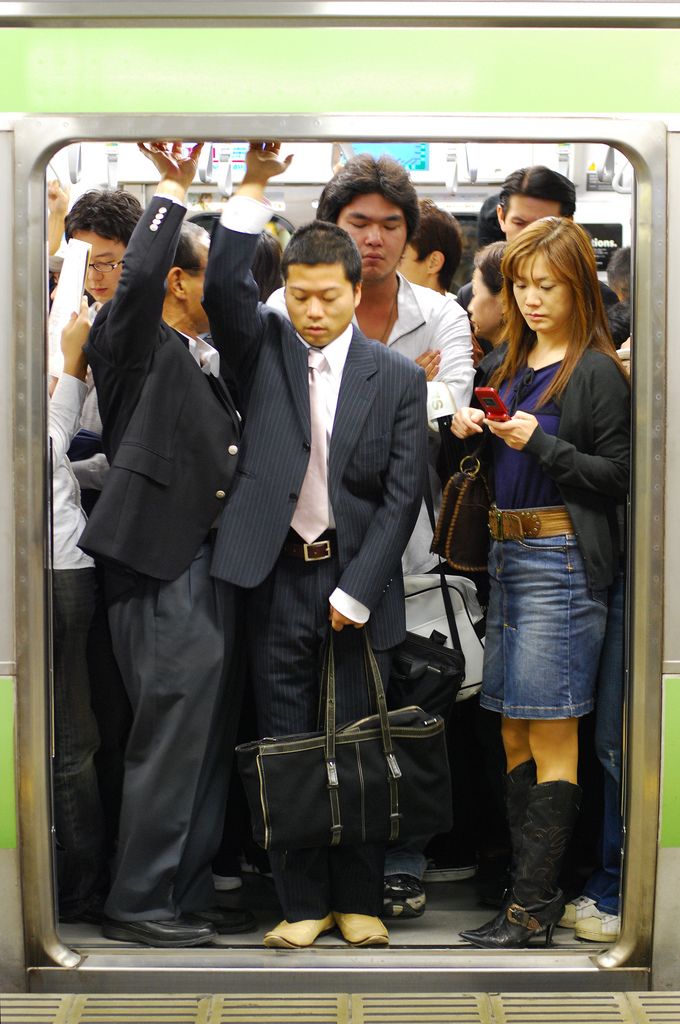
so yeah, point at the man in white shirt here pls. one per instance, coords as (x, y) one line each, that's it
(377, 204)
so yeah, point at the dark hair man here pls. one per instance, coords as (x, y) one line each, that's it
(618, 273)
(531, 193)
(325, 500)
(377, 205)
(106, 219)
(527, 195)
(171, 434)
(432, 256)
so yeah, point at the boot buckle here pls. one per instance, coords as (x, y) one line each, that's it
(518, 915)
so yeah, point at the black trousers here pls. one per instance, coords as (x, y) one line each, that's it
(173, 643)
(82, 868)
(288, 625)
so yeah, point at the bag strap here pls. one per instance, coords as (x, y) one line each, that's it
(448, 606)
(393, 769)
(332, 782)
(328, 698)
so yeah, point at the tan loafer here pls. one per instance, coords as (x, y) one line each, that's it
(298, 934)
(362, 930)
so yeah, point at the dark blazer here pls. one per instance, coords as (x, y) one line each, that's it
(589, 458)
(377, 453)
(170, 432)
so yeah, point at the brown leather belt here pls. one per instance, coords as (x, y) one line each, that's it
(324, 547)
(515, 524)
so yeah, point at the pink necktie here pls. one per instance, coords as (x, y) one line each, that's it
(311, 512)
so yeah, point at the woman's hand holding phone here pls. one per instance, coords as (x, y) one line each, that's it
(515, 432)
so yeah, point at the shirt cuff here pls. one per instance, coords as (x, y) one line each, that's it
(70, 392)
(170, 199)
(349, 606)
(246, 215)
(440, 401)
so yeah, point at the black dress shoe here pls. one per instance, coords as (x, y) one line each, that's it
(224, 921)
(176, 932)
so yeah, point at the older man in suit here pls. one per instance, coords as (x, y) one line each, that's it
(326, 494)
(171, 434)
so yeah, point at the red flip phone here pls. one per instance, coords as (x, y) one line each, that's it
(493, 405)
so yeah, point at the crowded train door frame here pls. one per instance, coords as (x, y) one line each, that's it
(644, 144)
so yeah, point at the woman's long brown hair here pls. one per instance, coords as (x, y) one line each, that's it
(568, 252)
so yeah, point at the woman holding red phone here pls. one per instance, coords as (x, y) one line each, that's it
(559, 467)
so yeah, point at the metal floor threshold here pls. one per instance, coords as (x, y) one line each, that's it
(391, 1008)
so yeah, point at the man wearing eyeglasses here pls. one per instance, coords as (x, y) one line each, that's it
(105, 219)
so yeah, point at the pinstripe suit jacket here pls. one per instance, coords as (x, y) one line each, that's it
(377, 454)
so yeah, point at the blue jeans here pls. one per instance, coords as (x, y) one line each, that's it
(603, 886)
(407, 858)
(82, 871)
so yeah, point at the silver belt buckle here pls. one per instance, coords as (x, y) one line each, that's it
(317, 544)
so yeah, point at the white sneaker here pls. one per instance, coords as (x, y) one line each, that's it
(599, 928)
(455, 873)
(576, 910)
(227, 883)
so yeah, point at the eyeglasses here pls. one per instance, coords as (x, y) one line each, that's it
(105, 268)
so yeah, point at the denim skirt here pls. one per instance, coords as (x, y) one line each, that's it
(544, 630)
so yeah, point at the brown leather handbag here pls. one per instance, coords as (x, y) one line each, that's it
(461, 535)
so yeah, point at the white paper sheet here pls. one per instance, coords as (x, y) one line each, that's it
(67, 298)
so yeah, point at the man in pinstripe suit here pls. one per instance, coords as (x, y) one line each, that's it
(374, 431)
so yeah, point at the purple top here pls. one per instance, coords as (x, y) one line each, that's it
(518, 479)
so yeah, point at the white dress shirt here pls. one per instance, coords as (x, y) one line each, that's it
(249, 216)
(67, 515)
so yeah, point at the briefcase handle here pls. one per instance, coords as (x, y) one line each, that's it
(328, 698)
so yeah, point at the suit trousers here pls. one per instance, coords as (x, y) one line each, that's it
(82, 868)
(173, 643)
(287, 626)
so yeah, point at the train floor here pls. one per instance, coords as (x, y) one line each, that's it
(450, 907)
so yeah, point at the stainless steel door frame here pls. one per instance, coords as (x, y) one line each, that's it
(644, 143)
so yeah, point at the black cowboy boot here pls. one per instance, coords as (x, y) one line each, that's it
(537, 902)
(518, 784)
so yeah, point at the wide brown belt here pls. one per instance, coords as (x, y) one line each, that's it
(324, 547)
(515, 524)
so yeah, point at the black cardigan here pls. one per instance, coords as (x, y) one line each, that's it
(589, 458)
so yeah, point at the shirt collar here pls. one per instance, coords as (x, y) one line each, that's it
(335, 351)
(409, 314)
(207, 357)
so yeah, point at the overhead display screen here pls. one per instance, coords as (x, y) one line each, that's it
(414, 156)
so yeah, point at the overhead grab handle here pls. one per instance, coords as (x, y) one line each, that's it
(75, 162)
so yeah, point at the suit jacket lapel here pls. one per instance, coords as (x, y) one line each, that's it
(357, 394)
(295, 363)
(217, 384)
